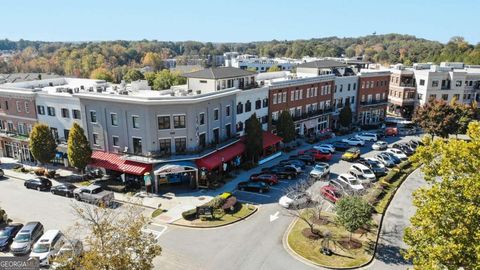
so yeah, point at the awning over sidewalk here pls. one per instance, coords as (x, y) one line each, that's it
(226, 154)
(270, 139)
(113, 162)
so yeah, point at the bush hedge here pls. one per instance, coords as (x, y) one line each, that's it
(190, 214)
(219, 203)
(39, 171)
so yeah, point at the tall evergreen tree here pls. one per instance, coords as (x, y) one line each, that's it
(253, 138)
(286, 127)
(345, 116)
(79, 151)
(42, 143)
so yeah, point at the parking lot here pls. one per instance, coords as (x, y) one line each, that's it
(337, 167)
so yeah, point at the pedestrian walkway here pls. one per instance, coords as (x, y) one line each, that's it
(397, 218)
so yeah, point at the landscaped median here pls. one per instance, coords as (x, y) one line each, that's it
(222, 210)
(349, 250)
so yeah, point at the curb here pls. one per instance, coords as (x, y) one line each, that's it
(216, 226)
(296, 256)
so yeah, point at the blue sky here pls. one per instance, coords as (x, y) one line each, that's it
(240, 20)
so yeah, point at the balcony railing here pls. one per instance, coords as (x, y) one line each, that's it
(373, 102)
(307, 115)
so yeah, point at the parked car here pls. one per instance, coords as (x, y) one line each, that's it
(2, 174)
(297, 168)
(296, 162)
(375, 165)
(380, 134)
(330, 193)
(386, 160)
(47, 246)
(397, 152)
(380, 145)
(7, 234)
(282, 172)
(294, 199)
(325, 147)
(351, 154)
(259, 187)
(405, 148)
(341, 146)
(367, 136)
(350, 182)
(63, 189)
(26, 237)
(307, 159)
(323, 155)
(321, 170)
(353, 141)
(39, 183)
(69, 250)
(362, 173)
(391, 131)
(270, 179)
(93, 194)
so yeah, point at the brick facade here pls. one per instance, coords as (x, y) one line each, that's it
(372, 97)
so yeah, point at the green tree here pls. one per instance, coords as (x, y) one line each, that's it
(253, 138)
(286, 127)
(153, 60)
(436, 118)
(353, 213)
(165, 79)
(133, 75)
(79, 151)
(274, 69)
(345, 116)
(115, 240)
(444, 230)
(101, 74)
(42, 143)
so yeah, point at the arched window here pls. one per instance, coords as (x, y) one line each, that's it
(248, 106)
(239, 108)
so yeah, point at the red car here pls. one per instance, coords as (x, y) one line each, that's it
(391, 131)
(330, 193)
(270, 179)
(317, 154)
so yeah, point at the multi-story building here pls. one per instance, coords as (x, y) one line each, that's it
(402, 92)
(259, 64)
(346, 83)
(17, 117)
(216, 79)
(308, 100)
(372, 96)
(447, 81)
(249, 102)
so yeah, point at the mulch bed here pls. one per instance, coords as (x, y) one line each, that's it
(307, 233)
(345, 242)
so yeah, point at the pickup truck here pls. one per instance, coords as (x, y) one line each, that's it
(93, 194)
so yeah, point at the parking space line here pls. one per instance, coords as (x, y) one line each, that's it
(276, 188)
(283, 181)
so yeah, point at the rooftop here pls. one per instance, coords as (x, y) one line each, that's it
(219, 73)
(323, 64)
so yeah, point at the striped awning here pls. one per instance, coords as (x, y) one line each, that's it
(114, 162)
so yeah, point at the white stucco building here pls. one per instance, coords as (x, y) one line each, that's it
(249, 102)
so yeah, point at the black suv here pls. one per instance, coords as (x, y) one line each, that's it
(39, 183)
(282, 172)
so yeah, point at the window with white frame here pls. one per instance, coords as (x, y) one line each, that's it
(18, 106)
(135, 121)
(27, 107)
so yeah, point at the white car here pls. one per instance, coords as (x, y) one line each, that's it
(367, 136)
(294, 199)
(353, 141)
(397, 152)
(386, 160)
(325, 147)
(363, 173)
(350, 181)
(47, 246)
(320, 170)
(380, 145)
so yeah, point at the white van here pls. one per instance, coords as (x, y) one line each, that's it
(47, 246)
(367, 136)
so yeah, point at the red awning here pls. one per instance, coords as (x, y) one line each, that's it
(115, 163)
(226, 154)
(270, 139)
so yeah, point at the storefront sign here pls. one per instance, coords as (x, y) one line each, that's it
(19, 263)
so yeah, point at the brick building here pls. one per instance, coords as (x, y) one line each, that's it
(372, 96)
(308, 100)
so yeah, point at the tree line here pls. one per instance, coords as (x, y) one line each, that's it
(80, 59)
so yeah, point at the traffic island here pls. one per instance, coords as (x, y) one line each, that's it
(330, 245)
(219, 218)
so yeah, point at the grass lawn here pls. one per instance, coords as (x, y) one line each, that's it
(244, 212)
(342, 257)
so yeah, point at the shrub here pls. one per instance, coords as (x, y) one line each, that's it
(229, 203)
(50, 174)
(225, 195)
(391, 176)
(405, 164)
(216, 202)
(39, 171)
(190, 214)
